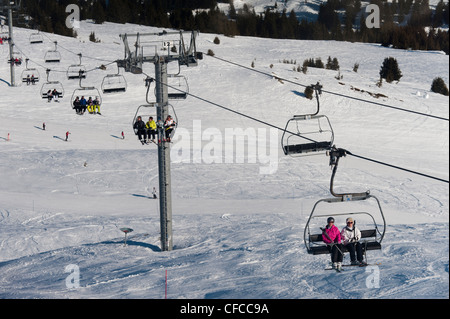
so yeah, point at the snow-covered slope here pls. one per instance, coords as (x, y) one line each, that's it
(237, 233)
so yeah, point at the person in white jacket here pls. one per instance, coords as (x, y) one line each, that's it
(350, 236)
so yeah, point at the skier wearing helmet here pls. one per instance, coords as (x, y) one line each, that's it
(332, 237)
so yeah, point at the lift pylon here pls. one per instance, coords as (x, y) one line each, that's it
(160, 56)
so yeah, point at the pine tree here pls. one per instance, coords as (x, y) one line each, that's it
(390, 70)
(439, 86)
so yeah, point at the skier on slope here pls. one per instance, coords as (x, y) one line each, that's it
(350, 236)
(332, 237)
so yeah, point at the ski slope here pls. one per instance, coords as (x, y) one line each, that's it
(238, 227)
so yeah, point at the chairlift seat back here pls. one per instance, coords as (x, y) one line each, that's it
(74, 71)
(52, 57)
(178, 87)
(114, 83)
(36, 38)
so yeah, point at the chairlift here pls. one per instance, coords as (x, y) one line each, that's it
(75, 71)
(370, 217)
(36, 38)
(16, 59)
(85, 91)
(53, 56)
(189, 56)
(113, 83)
(30, 75)
(308, 134)
(148, 110)
(177, 87)
(50, 86)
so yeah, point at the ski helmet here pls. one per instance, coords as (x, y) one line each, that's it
(330, 220)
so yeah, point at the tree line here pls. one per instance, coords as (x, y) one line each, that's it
(403, 22)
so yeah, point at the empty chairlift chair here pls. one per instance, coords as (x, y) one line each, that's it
(53, 56)
(308, 134)
(75, 71)
(36, 38)
(177, 87)
(189, 55)
(114, 83)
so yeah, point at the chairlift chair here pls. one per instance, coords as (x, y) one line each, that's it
(177, 87)
(53, 56)
(36, 38)
(370, 218)
(86, 91)
(189, 56)
(50, 86)
(308, 134)
(113, 83)
(148, 110)
(75, 71)
(30, 74)
(145, 111)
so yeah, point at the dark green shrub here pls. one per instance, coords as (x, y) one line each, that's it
(390, 70)
(439, 86)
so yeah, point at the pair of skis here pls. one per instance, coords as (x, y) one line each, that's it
(148, 142)
(356, 265)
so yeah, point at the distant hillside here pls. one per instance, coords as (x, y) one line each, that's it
(406, 24)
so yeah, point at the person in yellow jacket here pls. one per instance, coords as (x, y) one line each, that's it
(151, 128)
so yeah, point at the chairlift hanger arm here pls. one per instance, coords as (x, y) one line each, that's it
(335, 154)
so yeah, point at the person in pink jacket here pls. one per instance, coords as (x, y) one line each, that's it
(332, 237)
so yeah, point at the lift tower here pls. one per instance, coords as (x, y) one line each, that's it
(9, 5)
(162, 53)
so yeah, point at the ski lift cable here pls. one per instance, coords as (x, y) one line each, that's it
(37, 63)
(334, 93)
(84, 56)
(63, 71)
(284, 130)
